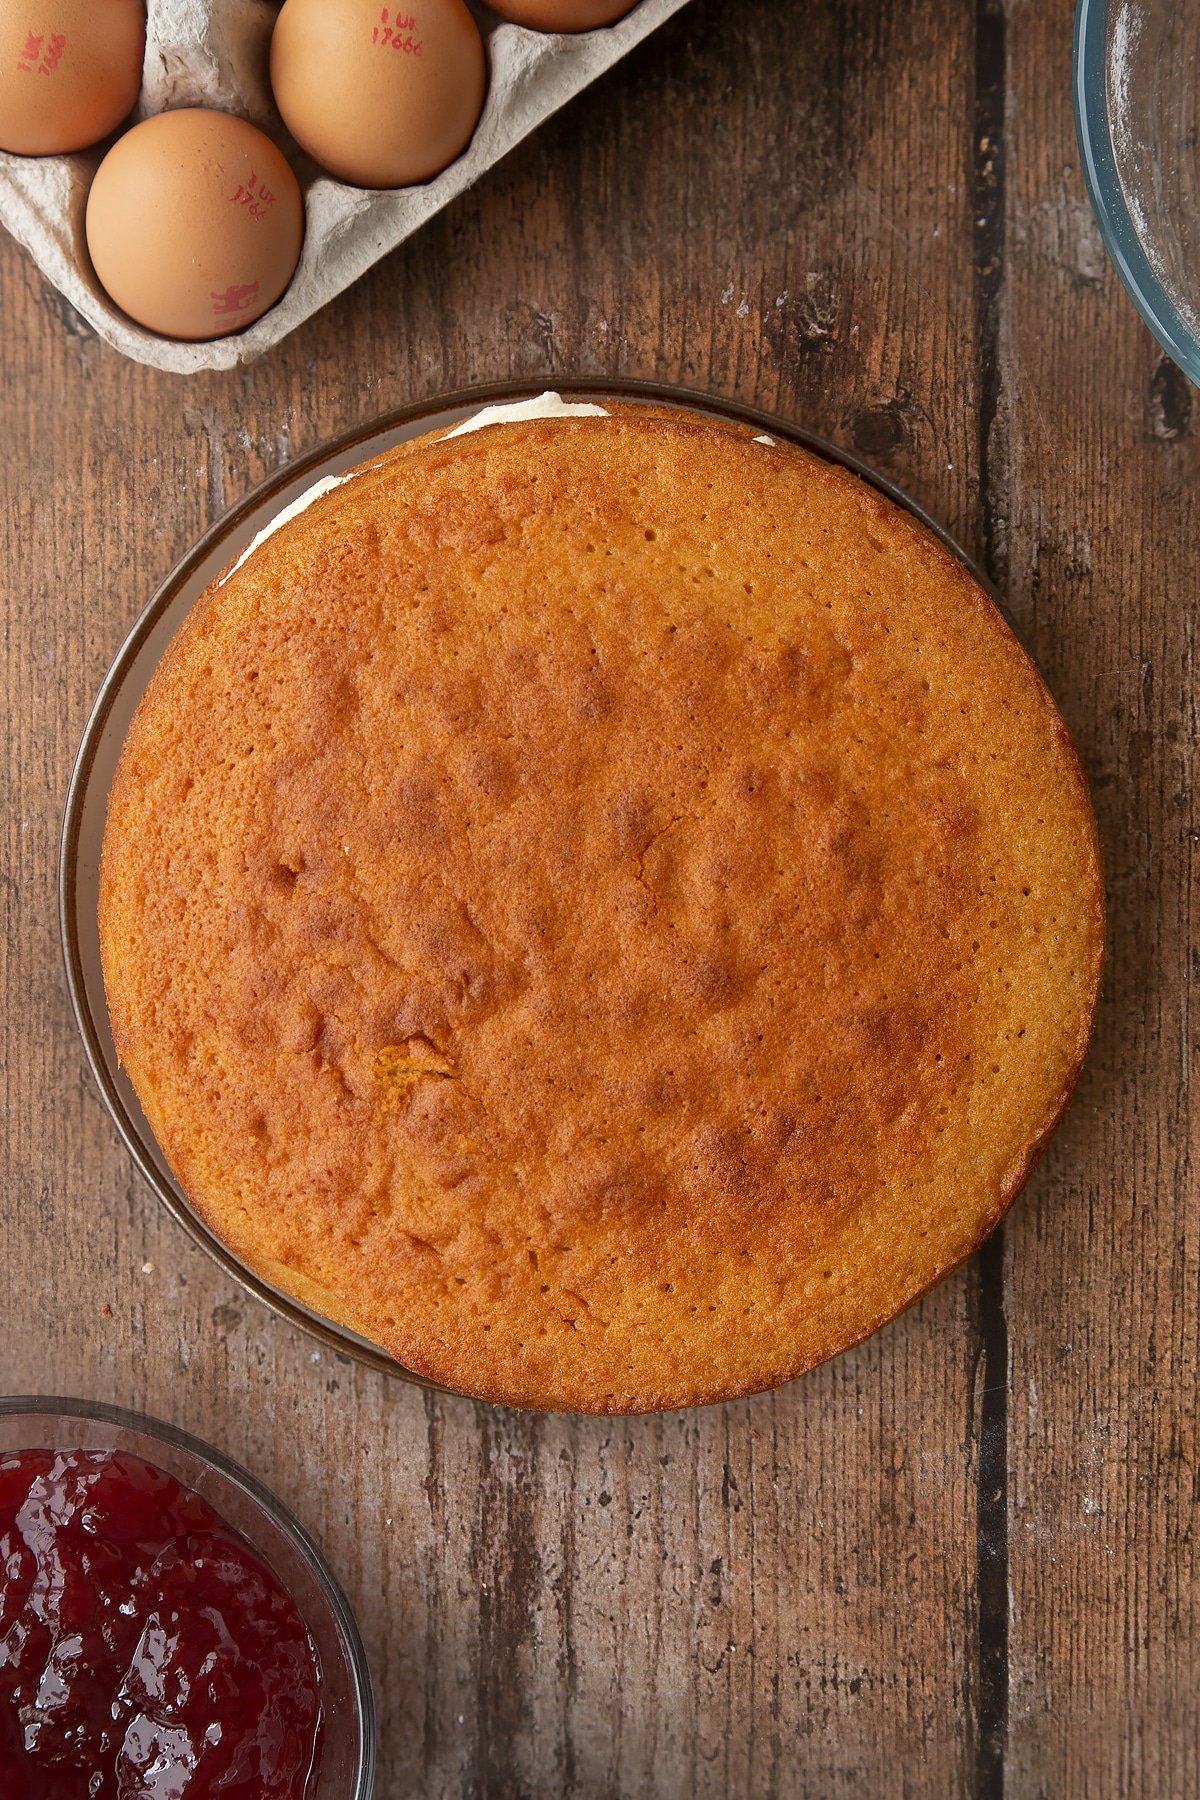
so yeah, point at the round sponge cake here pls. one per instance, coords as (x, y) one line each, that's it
(603, 906)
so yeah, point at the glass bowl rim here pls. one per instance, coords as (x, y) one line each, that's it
(283, 1305)
(1089, 90)
(100, 1412)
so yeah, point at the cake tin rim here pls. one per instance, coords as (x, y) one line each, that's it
(1089, 94)
(281, 1304)
(216, 1461)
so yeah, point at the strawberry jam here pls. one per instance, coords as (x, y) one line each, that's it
(146, 1653)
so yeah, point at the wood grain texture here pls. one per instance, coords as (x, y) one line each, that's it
(961, 1559)
(1102, 1268)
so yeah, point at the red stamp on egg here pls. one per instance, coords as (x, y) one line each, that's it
(254, 195)
(42, 54)
(234, 300)
(395, 30)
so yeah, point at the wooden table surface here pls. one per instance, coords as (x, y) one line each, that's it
(961, 1560)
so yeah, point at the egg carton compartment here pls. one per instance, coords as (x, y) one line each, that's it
(214, 53)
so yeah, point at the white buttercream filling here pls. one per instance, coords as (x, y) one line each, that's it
(290, 511)
(546, 406)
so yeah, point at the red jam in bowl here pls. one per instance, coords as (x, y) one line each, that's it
(146, 1653)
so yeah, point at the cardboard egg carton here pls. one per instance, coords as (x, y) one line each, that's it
(214, 53)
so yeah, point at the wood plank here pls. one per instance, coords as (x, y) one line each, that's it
(1095, 449)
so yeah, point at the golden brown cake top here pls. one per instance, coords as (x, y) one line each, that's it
(604, 906)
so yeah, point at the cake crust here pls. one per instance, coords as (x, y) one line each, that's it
(604, 907)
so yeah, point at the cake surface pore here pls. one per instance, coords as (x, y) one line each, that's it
(606, 907)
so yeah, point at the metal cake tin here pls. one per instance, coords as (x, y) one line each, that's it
(129, 676)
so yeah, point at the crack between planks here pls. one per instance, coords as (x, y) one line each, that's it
(991, 1324)
(991, 1522)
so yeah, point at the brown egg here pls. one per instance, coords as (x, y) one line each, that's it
(194, 223)
(70, 70)
(562, 15)
(381, 96)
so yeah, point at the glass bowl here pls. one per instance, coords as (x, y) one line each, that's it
(1137, 112)
(347, 1765)
(127, 680)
